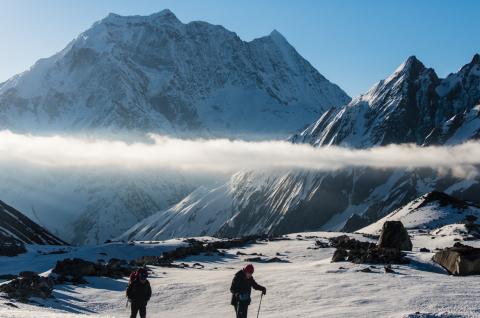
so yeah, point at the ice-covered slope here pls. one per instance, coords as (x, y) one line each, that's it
(13, 224)
(430, 211)
(157, 74)
(402, 108)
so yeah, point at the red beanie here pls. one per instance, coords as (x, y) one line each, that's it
(249, 269)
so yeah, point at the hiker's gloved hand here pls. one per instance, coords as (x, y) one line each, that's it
(264, 291)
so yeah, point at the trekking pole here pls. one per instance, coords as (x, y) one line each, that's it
(259, 305)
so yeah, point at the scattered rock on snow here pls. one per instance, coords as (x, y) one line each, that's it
(352, 250)
(73, 270)
(30, 285)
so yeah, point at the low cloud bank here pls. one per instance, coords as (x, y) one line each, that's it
(222, 155)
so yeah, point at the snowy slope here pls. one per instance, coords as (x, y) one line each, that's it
(203, 212)
(430, 211)
(307, 285)
(157, 74)
(13, 224)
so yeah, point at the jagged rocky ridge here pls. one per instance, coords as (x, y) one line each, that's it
(410, 106)
(144, 74)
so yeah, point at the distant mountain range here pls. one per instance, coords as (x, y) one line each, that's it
(412, 105)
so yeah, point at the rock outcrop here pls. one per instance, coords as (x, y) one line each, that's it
(459, 260)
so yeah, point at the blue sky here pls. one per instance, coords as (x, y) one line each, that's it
(354, 43)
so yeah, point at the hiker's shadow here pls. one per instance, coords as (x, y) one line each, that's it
(66, 301)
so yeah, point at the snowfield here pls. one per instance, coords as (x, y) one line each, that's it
(305, 285)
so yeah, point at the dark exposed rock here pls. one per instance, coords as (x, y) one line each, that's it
(76, 267)
(394, 235)
(74, 270)
(366, 270)
(240, 253)
(340, 255)
(459, 260)
(388, 269)
(30, 285)
(424, 250)
(321, 244)
(349, 249)
(265, 260)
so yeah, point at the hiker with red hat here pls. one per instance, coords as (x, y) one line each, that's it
(139, 293)
(241, 289)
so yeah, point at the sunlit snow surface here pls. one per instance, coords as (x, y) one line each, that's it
(307, 286)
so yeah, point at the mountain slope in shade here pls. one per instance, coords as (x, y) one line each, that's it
(407, 107)
(13, 224)
(89, 207)
(430, 211)
(157, 74)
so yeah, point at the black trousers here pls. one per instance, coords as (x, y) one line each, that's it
(241, 309)
(138, 308)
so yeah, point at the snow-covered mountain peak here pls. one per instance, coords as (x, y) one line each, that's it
(276, 36)
(410, 70)
(476, 59)
(156, 74)
(162, 17)
(412, 105)
(412, 63)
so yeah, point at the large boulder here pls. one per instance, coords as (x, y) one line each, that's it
(460, 260)
(28, 285)
(394, 235)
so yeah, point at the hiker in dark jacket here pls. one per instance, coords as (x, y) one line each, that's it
(139, 293)
(241, 289)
